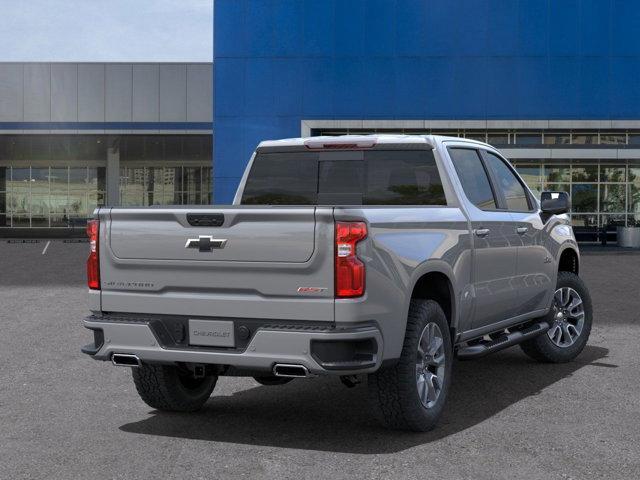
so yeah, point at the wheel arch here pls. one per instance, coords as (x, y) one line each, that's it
(435, 282)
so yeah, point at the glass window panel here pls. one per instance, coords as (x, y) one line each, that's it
(59, 203)
(20, 180)
(191, 184)
(94, 200)
(584, 197)
(39, 220)
(633, 220)
(634, 139)
(77, 204)
(20, 221)
(530, 173)
(584, 138)
(40, 181)
(59, 220)
(3, 202)
(59, 181)
(528, 139)
(480, 135)
(557, 187)
(507, 182)
(39, 204)
(589, 221)
(194, 148)
(612, 198)
(613, 138)
(4, 220)
(556, 173)
(634, 174)
(557, 138)
(78, 179)
(18, 202)
(4, 172)
(614, 173)
(498, 138)
(584, 173)
(634, 198)
(612, 220)
(473, 178)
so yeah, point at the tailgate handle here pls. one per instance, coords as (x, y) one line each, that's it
(205, 219)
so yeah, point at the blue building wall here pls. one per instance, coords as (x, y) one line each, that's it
(277, 62)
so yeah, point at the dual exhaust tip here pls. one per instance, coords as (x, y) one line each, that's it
(290, 370)
(125, 360)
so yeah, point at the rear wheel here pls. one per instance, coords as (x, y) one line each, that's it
(570, 319)
(171, 388)
(412, 394)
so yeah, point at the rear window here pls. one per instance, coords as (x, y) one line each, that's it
(379, 177)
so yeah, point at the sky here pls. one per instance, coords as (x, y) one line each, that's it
(106, 30)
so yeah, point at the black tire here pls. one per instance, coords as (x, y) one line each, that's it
(542, 348)
(167, 387)
(393, 391)
(272, 380)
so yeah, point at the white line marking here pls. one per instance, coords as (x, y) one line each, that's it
(45, 247)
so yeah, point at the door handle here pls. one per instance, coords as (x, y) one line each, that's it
(522, 230)
(481, 232)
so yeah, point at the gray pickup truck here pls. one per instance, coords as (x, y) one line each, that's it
(356, 256)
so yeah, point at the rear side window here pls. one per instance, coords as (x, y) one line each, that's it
(512, 189)
(473, 177)
(390, 177)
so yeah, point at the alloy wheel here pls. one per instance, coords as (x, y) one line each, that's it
(430, 365)
(568, 317)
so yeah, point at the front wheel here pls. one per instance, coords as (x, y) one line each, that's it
(411, 395)
(171, 388)
(570, 318)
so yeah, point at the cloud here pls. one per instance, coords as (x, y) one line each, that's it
(106, 30)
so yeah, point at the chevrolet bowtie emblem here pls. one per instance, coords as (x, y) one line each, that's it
(206, 243)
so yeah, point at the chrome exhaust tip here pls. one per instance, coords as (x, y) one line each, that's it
(290, 371)
(125, 360)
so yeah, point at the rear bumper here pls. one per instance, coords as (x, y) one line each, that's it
(321, 351)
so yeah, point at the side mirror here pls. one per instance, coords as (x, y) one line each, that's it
(555, 203)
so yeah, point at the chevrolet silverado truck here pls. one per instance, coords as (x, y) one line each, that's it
(377, 257)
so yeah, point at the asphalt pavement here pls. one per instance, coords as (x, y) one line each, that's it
(63, 415)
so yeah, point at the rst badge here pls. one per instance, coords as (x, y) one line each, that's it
(311, 289)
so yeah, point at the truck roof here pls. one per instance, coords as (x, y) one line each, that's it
(361, 140)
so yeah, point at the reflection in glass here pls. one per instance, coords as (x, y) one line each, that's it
(613, 138)
(584, 138)
(557, 187)
(584, 197)
(584, 173)
(497, 138)
(559, 138)
(584, 220)
(529, 139)
(612, 220)
(612, 198)
(613, 173)
(557, 173)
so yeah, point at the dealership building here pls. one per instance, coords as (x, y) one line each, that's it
(74, 136)
(554, 85)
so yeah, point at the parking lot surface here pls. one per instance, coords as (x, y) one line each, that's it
(63, 415)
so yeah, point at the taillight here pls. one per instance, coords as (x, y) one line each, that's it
(349, 270)
(93, 262)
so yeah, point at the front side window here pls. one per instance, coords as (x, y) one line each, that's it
(473, 177)
(513, 191)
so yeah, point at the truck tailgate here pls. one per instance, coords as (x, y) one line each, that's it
(257, 263)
